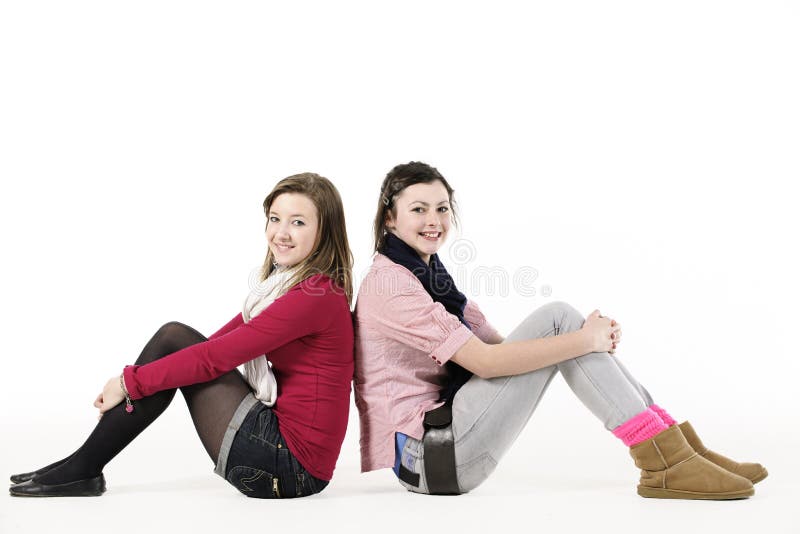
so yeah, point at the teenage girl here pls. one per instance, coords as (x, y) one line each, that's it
(274, 431)
(442, 396)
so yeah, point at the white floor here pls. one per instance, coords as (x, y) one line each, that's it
(576, 480)
(203, 504)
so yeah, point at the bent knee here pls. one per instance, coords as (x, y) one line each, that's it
(176, 329)
(564, 311)
(173, 327)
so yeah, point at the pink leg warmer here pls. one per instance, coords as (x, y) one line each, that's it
(662, 413)
(640, 427)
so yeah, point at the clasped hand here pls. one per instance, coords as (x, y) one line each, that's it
(111, 396)
(604, 333)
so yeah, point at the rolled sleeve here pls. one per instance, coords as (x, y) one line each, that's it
(448, 348)
(409, 315)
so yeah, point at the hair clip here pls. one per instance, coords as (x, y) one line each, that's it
(385, 200)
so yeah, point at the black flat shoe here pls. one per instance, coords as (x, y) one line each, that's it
(22, 477)
(90, 487)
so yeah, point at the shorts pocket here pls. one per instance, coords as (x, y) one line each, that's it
(265, 428)
(254, 482)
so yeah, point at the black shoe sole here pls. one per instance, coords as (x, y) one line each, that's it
(90, 487)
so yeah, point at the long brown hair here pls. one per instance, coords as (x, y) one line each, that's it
(400, 177)
(331, 253)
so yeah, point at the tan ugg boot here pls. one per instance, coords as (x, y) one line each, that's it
(671, 469)
(751, 471)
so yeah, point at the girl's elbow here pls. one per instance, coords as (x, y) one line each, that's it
(484, 373)
(483, 367)
(475, 358)
(490, 369)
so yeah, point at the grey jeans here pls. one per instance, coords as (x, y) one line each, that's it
(488, 415)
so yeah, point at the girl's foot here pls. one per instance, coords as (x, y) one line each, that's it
(90, 487)
(23, 477)
(752, 471)
(671, 469)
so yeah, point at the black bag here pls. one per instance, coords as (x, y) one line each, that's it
(440, 454)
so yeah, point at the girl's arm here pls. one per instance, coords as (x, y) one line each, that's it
(518, 357)
(406, 313)
(300, 312)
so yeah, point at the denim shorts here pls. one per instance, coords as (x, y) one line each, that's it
(254, 457)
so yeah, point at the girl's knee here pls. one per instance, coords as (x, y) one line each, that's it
(560, 306)
(563, 310)
(177, 326)
(180, 332)
(172, 325)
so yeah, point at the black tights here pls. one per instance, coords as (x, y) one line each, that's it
(211, 405)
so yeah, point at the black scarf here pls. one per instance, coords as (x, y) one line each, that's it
(441, 287)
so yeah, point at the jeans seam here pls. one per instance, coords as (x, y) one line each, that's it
(600, 391)
(486, 455)
(647, 398)
(481, 456)
(265, 441)
(245, 481)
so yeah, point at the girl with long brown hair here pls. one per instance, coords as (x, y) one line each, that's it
(277, 429)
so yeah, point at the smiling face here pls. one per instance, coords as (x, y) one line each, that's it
(422, 217)
(291, 228)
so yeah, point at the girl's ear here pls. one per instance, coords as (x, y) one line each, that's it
(389, 220)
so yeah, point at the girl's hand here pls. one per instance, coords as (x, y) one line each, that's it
(111, 396)
(603, 332)
(616, 336)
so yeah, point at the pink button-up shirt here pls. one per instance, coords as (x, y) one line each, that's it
(402, 340)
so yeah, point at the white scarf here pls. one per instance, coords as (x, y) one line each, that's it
(257, 372)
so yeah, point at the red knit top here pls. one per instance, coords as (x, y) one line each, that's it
(308, 336)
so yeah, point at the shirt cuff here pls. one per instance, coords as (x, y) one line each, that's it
(455, 341)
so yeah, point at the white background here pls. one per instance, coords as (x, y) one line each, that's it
(641, 156)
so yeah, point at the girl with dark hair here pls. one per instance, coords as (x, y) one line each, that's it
(277, 430)
(442, 396)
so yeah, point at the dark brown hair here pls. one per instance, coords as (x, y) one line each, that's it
(400, 177)
(331, 252)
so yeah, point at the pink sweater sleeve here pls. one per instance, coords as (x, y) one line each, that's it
(300, 312)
